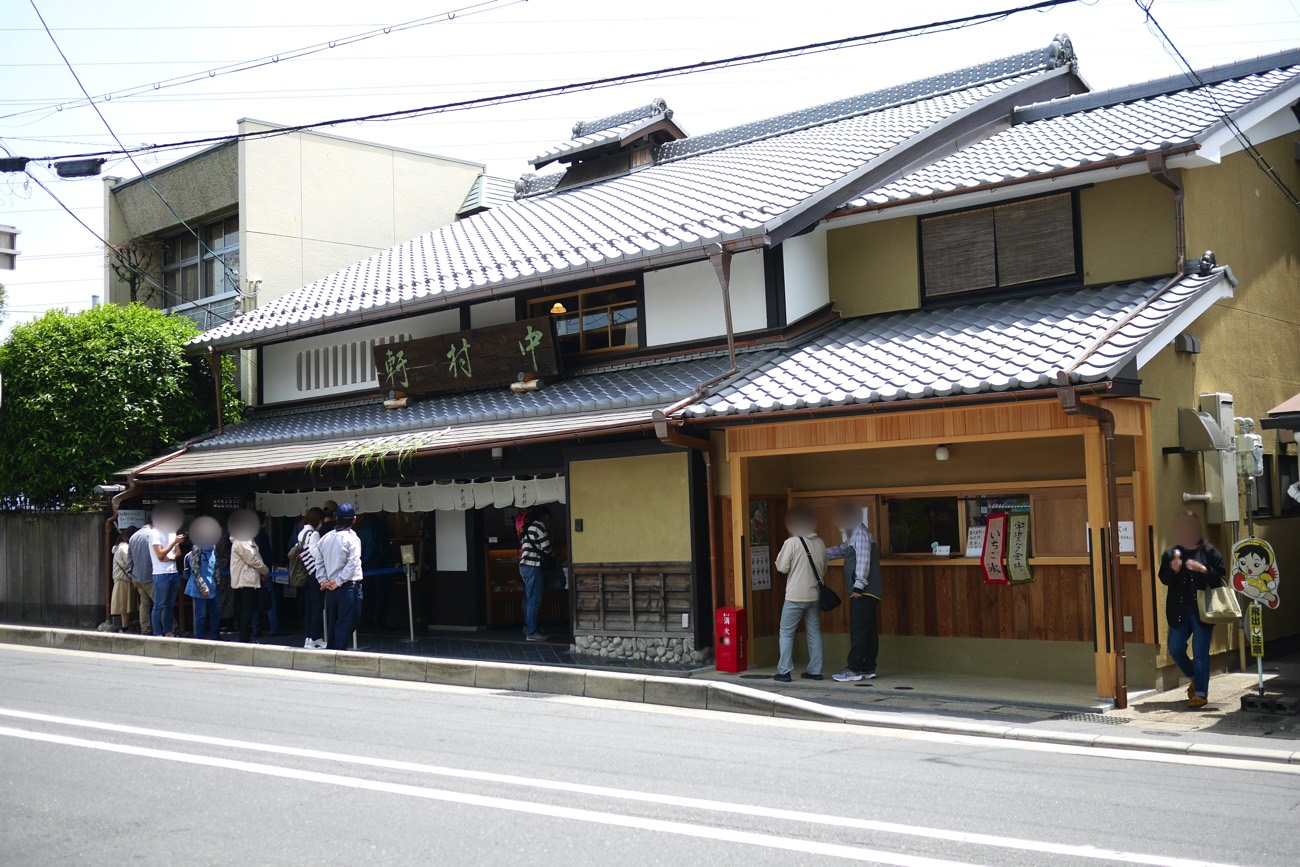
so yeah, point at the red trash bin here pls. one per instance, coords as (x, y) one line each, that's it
(730, 639)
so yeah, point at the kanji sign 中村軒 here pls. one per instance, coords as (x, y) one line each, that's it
(468, 360)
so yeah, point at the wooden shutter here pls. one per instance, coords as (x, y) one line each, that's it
(1035, 240)
(958, 252)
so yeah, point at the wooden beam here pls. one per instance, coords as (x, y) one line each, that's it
(740, 533)
(1094, 452)
(1144, 517)
(941, 439)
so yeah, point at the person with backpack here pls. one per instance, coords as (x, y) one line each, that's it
(534, 547)
(306, 575)
(803, 561)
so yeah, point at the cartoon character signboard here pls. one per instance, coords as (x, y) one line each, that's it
(1254, 571)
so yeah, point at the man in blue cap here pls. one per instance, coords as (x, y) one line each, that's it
(340, 552)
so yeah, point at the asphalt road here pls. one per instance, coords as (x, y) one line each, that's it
(115, 760)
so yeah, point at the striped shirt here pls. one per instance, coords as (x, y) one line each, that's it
(535, 542)
(309, 552)
(860, 542)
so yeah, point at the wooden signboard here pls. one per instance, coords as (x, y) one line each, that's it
(468, 360)
(993, 559)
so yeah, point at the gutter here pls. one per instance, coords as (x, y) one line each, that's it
(998, 185)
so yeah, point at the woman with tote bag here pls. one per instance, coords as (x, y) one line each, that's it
(1189, 568)
(803, 560)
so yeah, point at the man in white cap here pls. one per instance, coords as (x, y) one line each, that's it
(340, 551)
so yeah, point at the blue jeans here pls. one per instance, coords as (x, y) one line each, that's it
(343, 607)
(165, 587)
(532, 576)
(1196, 669)
(811, 615)
(206, 616)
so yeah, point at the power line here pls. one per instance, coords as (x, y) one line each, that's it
(1247, 145)
(256, 63)
(612, 81)
(229, 272)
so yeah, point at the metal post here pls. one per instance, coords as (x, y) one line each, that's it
(1250, 525)
(410, 607)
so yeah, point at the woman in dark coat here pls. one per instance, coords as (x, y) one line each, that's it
(1191, 565)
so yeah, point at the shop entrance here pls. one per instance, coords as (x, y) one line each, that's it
(501, 585)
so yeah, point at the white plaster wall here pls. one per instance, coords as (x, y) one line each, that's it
(807, 277)
(452, 550)
(497, 312)
(280, 360)
(685, 303)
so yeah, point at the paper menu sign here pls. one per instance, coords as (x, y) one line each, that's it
(974, 541)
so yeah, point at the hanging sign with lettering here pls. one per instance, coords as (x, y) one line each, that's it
(1018, 549)
(993, 558)
(468, 360)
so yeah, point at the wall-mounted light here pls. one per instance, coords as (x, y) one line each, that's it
(498, 454)
(941, 453)
(557, 308)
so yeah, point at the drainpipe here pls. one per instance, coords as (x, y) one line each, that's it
(1105, 419)
(673, 437)
(1160, 171)
(721, 260)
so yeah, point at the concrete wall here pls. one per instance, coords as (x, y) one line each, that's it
(875, 267)
(685, 303)
(312, 204)
(1128, 230)
(1249, 342)
(633, 509)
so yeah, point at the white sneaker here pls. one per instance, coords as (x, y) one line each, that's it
(319, 644)
(848, 675)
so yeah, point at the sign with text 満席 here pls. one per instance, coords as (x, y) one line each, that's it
(468, 360)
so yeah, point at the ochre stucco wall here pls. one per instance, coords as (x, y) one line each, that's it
(873, 267)
(634, 509)
(1127, 228)
(1250, 344)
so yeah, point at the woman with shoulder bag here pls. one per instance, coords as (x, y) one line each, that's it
(803, 561)
(1192, 565)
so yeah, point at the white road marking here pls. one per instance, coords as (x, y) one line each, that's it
(703, 804)
(705, 832)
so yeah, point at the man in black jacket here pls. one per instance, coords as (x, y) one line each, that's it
(1190, 566)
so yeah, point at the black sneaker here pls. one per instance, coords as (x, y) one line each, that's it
(781, 678)
(807, 676)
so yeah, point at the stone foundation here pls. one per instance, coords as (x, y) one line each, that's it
(679, 650)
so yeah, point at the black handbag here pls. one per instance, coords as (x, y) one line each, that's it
(828, 598)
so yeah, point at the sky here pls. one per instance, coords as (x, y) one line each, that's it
(502, 47)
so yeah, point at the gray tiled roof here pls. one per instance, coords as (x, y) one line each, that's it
(978, 348)
(592, 134)
(655, 216)
(1098, 127)
(645, 386)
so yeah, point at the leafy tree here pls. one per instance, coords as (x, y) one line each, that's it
(88, 394)
(133, 262)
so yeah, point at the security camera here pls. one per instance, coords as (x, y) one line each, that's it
(109, 489)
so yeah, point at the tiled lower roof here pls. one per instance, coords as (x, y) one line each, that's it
(648, 387)
(998, 346)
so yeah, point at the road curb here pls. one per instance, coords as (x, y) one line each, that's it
(614, 686)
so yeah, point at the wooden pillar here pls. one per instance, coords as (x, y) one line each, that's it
(1144, 519)
(1094, 453)
(740, 535)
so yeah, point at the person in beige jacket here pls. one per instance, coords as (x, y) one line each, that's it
(803, 561)
(247, 572)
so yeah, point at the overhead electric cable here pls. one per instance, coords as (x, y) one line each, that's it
(1261, 162)
(895, 34)
(281, 57)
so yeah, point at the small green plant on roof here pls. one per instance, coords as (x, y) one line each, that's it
(370, 455)
(89, 394)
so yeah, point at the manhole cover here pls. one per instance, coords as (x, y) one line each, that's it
(902, 687)
(1099, 718)
(756, 677)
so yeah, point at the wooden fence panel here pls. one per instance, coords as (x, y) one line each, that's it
(646, 599)
(52, 568)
